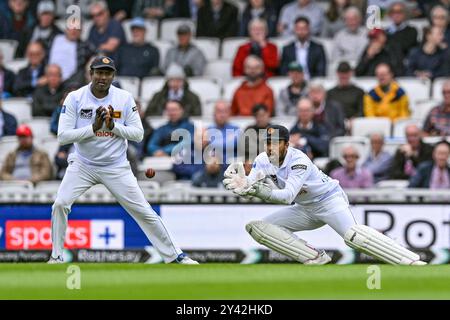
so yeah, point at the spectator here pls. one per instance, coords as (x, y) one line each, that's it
(26, 162)
(222, 136)
(437, 122)
(145, 60)
(440, 18)
(300, 8)
(61, 159)
(259, 9)
(258, 46)
(6, 79)
(83, 5)
(334, 18)
(210, 176)
(106, 34)
(431, 60)
(46, 29)
(47, 97)
(309, 54)
(346, 93)
(17, 23)
(71, 54)
(186, 54)
(253, 90)
(308, 131)
(350, 42)
(434, 174)
(253, 134)
(410, 155)
(351, 175)
(32, 75)
(175, 88)
(120, 10)
(218, 19)
(387, 99)
(161, 144)
(399, 32)
(378, 162)
(8, 123)
(379, 51)
(326, 111)
(54, 121)
(161, 9)
(139, 148)
(287, 102)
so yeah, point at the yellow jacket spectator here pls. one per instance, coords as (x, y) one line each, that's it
(387, 99)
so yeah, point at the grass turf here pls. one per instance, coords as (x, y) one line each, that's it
(223, 281)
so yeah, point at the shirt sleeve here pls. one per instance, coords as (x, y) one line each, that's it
(67, 123)
(132, 128)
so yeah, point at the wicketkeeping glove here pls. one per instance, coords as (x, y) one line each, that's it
(235, 177)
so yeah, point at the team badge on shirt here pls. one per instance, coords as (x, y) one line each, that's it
(299, 166)
(117, 114)
(86, 113)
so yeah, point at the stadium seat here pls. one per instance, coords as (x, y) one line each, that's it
(8, 48)
(287, 122)
(209, 46)
(281, 42)
(16, 191)
(19, 107)
(208, 109)
(158, 163)
(220, 69)
(391, 145)
(163, 47)
(242, 122)
(50, 145)
(417, 90)
(421, 109)
(150, 85)
(437, 88)
(399, 126)
(131, 84)
(230, 87)
(397, 184)
(156, 122)
(85, 28)
(47, 186)
(202, 122)
(419, 24)
(277, 84)
(7, 144)
(97, 193)
(17, 64)
(206, 89)
(151, 27)
(230, 47)
(321, 162)
(366, 83)
(363, 127)
(40, 126)
(327, 82)
(362, 144)
(168, 28)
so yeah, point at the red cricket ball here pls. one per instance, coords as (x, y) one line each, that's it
(150, 173)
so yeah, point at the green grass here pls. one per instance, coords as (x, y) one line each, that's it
(222, 281)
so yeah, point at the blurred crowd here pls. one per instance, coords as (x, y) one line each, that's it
(58, 62)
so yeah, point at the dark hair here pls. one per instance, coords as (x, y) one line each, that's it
(301, 19)
(389, 65)
(174, 101)
(258, 107)
(443, 141)
(333, 13)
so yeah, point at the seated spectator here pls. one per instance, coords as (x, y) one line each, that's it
(300, 8)
(308, 53)
(26, 162)
(259, 9)
(17, 22)
(378, 162)
(218, 19)
(210, 176)
(252, 143)
(161, 144)
(61, 159)
(440, 18)
(334, 18)
(222, 136)
(437, 122)
(46, 29)
(326, 111)
(106, 34)
(308, 131)
(62, 5)
(431, 60)
(6, 79)
(145, 60)
(379, 51)
(120, 10)
(175, 88)
(32, 75)
(410, 155)
(399, 32)
(47, 98)
(8, 123)
(434, 174)
(387, 99)
(258, 46)
(54, 121)
(161, 9)
(287, 101)
(253, 90)
(351, 175)
(350, 42)
(186, 54)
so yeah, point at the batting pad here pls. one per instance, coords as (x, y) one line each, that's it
(281, 241)
(376, 244)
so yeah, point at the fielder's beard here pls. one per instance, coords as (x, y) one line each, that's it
(274, 159)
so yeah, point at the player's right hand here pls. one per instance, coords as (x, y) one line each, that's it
(99, 118)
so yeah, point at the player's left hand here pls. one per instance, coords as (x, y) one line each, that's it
(109, 120)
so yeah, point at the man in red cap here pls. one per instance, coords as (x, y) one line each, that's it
(26, 162)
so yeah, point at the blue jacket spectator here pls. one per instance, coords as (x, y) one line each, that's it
(210, 176)
(7, 78)
(378, 162)
(8, 123)
(261, 10)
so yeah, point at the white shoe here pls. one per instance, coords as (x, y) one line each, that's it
(323, 258)
(419, 263)
(184, 259)
(56, 260)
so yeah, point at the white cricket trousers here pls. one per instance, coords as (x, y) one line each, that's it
(121, 182)
(334, 211)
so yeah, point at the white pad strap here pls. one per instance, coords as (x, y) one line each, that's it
(281, 241)
(376, 244)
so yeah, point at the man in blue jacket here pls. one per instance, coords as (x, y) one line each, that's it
(8, 124)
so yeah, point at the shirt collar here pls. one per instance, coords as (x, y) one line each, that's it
(299, 45)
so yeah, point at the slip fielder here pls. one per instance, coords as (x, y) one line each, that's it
(99, 119)
(285, 175)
